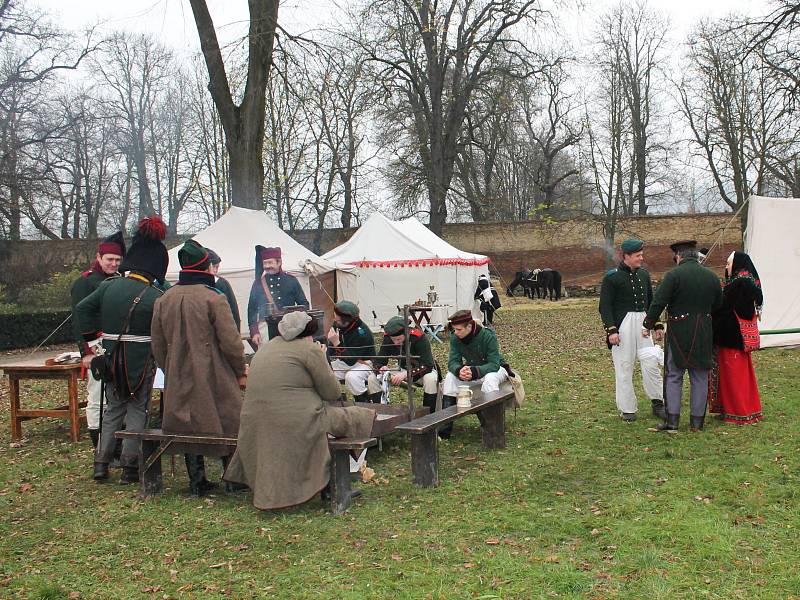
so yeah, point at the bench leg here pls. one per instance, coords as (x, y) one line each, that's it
(340, 481)
(493, 426)
(425, 459)
(150, 479)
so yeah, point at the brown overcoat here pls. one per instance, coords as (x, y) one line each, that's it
(195, 342)
(282, 453)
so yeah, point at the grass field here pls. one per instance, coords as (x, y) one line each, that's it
(579, 505)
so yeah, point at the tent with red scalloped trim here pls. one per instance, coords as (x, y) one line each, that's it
(397, 263)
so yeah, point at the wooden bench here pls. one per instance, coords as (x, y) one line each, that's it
(425, 441)
(155, 443)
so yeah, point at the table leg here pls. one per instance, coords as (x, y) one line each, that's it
(340, 481)
(150, 478)
(425, 459)
(13, 392)
(493, 426)
(74, 408)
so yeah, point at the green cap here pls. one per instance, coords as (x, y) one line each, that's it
(394, 326)
(193, 256)
(632, 245)
(346, 308)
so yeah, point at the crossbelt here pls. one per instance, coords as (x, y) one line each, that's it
(126, 337)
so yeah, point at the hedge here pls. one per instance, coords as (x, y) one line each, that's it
(24, 330)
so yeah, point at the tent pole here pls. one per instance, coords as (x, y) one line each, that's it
(407, 354)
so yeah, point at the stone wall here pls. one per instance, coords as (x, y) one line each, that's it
(576, 247)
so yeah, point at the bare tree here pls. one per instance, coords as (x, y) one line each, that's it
(435, 55)
(243, 123)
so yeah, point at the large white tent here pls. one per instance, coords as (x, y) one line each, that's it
(773, 242)
(234, 237)
(398, 261)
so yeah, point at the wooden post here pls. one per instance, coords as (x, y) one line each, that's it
(16, 422)
(150, 479)
(493, 426)
(407, 354)
(340, 481)
(425, 459)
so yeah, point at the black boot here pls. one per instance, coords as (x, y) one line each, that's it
(696, 423)
(446, 430)
(94, 435)
(100, 471)
(376, 397)
(129, 475)
(230, 487)
(670, 423)
(115, 462)
(658, 409)
(196, 468)
(364, 397)
(429, 400)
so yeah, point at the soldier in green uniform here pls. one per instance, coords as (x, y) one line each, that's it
(689, 293)
(474, 359)
(224, 286)
(351, 346)
(110, 253)
(104, 314)
(625, 296)
(422, 368)
(272, 291)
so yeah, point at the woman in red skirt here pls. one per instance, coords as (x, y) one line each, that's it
(736, 397)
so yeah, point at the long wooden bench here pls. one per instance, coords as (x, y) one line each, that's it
(155, 443)
(425, 441)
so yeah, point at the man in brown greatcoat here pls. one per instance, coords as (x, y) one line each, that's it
(195, 341)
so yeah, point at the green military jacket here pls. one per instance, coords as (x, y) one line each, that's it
(418, 346)
(356, 340)
(105, 311)
(81, 288)
(479, 350)
(689, 293)
(624, 290)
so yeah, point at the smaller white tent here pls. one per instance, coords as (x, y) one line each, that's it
(234, 237)
(772, 241)
(398, 261)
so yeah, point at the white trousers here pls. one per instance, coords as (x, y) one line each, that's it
(355, 377)
(92, 401)
(491, 382)
(430, 382)
(633, 346)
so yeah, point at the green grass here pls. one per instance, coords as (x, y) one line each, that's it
(579, 505)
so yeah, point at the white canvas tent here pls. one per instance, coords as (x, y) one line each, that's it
(773, 242)
(234, 237)
(398, 261)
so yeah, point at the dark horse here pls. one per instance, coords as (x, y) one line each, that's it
(544, 282)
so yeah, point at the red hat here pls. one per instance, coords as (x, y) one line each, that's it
(113, 244)
(270, 253)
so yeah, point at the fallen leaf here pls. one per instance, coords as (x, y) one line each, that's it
(559, 493)
(492, 541)
(397, 557)
(595, 532)
(74, 595)
(24, 487)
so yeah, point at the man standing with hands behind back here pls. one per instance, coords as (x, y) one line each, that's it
(689, 293)
(625, 296)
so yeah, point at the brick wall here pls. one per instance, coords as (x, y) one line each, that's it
(576, 248)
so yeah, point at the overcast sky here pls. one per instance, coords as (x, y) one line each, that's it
(171, 20)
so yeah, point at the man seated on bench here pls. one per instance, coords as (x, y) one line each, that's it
(351, 346)
(422, 369)
(474, 360)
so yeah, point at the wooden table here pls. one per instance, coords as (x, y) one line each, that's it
(34, 368)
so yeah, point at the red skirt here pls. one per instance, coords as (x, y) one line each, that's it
(737, 387)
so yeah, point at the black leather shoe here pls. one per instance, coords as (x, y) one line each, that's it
(670, 424)
(129, 475)
(696, 423)
(629, 417)
(100, 471)
(659, 410)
